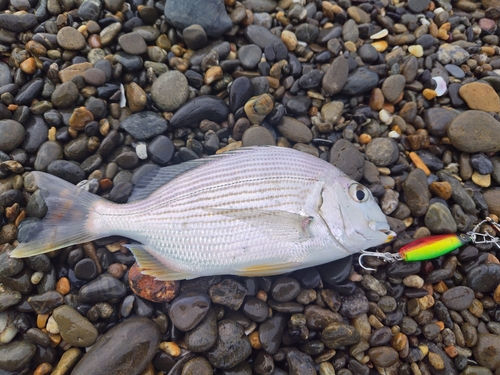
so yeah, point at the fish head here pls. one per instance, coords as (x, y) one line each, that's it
(353, 216)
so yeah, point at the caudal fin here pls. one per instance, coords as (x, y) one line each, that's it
(65, 224)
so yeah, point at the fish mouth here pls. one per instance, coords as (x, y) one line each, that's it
(390, 235)
(384, 228)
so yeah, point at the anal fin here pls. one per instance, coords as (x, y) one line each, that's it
(152, 267)
(267, 269)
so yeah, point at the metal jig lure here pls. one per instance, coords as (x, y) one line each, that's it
(434, 246)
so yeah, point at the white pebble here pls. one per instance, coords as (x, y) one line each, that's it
(141, 151)
(36, 277)
(440, 86)
(424, 21)
(385, 116)
(394, 134)
(52, 326)
(438, 10)
(379, 35)
(123, 98)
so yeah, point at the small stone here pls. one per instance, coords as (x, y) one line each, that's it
(102, 288)
(289, 39)
(492, 198)
(294, 130)
(74, 329)
(475, 131)
(336, 76)
(416, 50)
(228, 293)
(249, 56)
(136, 97)
(337, 335)
(257, 136)
(205, 107)
(487, 351)
(271, 333)
(80, 117)
(393, 87)
(383, 356)
(144, 125)
(151, 289)
(441, 189)
(204, 336)
(232, 346)
(382, 151)
(195, 37)
(15, 356)
(12, 135)
(483, 180)
(416, 192)
(258, 107)
(480, 96)
(133, 43)
(332, 112)
(458, 298)
(189, 309)
(439, 220)
(71, 39)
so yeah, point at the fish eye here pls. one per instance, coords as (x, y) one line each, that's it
(359, 193)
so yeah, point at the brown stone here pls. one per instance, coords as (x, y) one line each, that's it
(74, 70)
(28, 66)
(136, 97)
(80, 117)
(258, 107)
(376, 99)
(441, 189)
(148, 287)
(480, 96)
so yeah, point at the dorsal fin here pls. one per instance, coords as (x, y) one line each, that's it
(159, 176)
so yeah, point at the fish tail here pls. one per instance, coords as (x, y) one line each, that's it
(67, 220)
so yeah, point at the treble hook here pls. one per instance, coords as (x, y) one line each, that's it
(386, 257)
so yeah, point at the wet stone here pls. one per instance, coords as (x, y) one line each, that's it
(484, 278)
(204, 336)
(160, 150)
(9, 266)
(416, 192)
(228, 293)
(271, 333)
(300, 363)
(335, 272)
(337, 335)
(239, 92)
(46, 302)
(16, 355)
(383, 356)
(189, 309)
(285, 289)
(74, 329)
(144, 125)
(8, 298)
(139, 339)
(198, 365)
(255, 309)
(232, 346)
(319, 318)
(86, 269)
(95, 76)
(194, 37)
(102, 288)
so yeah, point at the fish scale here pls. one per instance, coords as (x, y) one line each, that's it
(257, 211)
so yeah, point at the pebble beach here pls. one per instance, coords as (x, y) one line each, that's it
(402, 96)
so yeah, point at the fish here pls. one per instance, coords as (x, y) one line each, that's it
(254, 211)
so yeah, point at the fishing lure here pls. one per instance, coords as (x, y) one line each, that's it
(435, 246)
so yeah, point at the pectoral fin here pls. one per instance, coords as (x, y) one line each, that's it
(283, 226)
(267, 269)
(151, 266)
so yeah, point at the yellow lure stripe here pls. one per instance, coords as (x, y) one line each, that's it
(432, 247)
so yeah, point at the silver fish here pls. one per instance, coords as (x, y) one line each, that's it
(251, 212)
